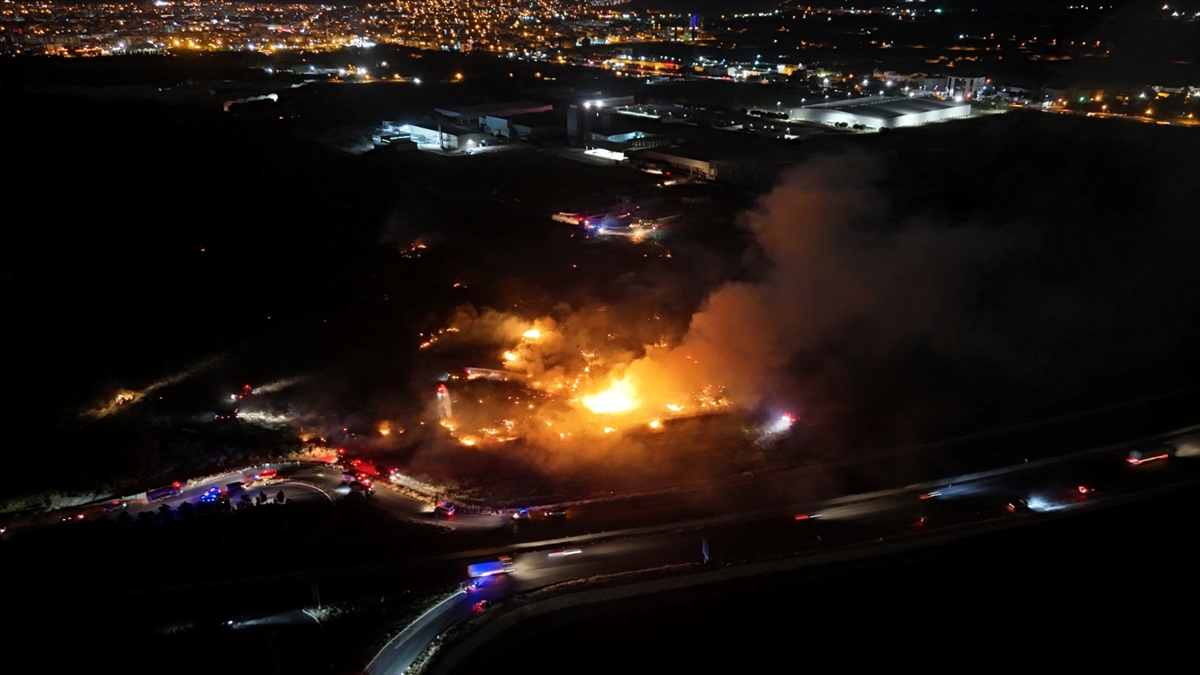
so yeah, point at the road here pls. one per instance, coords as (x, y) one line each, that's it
(328, 478)
(298, 491)
(957, 506)
(403, 649)
(627, 535)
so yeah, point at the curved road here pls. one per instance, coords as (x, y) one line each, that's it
(866, 524)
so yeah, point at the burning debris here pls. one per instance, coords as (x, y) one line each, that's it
(563, 377)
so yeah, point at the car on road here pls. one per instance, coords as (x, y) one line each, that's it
(115, 505)
(556, 512)
(1018, 506)
(521, 514)
(481, 605)
(1138, 458)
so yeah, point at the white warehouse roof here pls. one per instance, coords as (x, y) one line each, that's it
(893, 111)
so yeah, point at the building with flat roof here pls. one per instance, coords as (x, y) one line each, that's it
(592, 113)
(529, 126)
(471, 115)
(444, 136)
(735, 157)
(882, 112)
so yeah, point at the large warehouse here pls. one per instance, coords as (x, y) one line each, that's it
(882, 113)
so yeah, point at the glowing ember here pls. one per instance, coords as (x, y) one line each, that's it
(510, 356)
(654, 424)
(674, 408)
(532, 334)
(620, 397)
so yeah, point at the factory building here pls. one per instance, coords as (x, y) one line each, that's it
(530, 126)
(882, 112)
(593, 114)
(444, 136)
(472, 116)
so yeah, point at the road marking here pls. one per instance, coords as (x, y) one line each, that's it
(313, 487)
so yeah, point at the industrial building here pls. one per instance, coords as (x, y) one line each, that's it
(530, 126)
(593, 113)
(444, 136)
(882, 112)
(952, 86)
(472, 116)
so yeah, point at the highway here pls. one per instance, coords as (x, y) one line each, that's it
(328, 478)
(853, 525)
(758, 521)
(299, 491)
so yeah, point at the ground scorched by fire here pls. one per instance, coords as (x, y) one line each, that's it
(563, 377)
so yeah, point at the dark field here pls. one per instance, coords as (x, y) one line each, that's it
(173, 244)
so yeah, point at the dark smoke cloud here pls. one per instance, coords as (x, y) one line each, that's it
(831, 284)
(865, 318)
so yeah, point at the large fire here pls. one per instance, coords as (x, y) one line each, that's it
(618, 398)
(587, 374)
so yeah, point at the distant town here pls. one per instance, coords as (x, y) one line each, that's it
(425, 337)
(830, 56)
(531, 30)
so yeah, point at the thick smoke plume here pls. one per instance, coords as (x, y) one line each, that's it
(862, 311)
(830, 288)
(875, 316)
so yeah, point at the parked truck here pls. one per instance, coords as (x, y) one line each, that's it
(164, 492)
